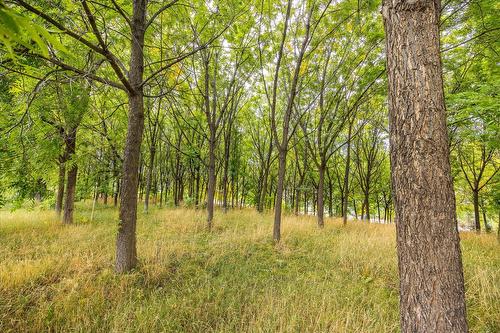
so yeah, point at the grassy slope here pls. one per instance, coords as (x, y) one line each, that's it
(232, 280)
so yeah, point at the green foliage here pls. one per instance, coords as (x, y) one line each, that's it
(16, 30)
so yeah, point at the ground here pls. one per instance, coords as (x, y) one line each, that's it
(340, 279)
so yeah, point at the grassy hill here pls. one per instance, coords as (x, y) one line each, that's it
(340, 279)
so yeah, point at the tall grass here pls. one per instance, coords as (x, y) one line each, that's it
(340, 279)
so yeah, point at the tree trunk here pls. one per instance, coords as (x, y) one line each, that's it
(498, 229)
(69, 202)
(197, 187)
(149, 176)
(262, 199)
(346, 175)
(487, 227)
(94, 201)
(126, 252)
(211, 181)
(378, 208)
(60, 186)
(330, 197)
(320, 196)
(297, 202)
(432, 297)
(355, 208)
(117, 192)
(306, 206)
(366, 204)
(477, 222)
(227, 146)
(279, 195)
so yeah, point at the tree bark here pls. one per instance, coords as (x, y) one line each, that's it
(117, 192)
(432, 297)
(149, 176)
(69, 202)
(366, 203)
(475, 200)
(60, 186)
(320, 200)
(227, 146)
(487, 227)
(330, 196)
(279, 195)
(265, 177)
(346, 175)
(297, 202)
(126, 252)
(211, 181)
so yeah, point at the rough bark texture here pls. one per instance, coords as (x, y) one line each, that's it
(126, 253)
(430, 266)
(69, 202)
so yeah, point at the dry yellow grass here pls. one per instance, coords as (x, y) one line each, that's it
(60, 278)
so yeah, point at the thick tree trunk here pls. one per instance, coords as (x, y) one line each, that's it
(432, 297)
(69, 202)
(475, 201)
(60, 185)
(126, 252)
(320, 196)
(279, 195)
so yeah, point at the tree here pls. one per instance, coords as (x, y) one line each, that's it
(368, 159)
(478, 172)
(131, 81)
(432, 295)
(282, 134)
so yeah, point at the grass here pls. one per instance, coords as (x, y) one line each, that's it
(60, 278)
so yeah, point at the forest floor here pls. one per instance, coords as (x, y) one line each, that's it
(341, 279)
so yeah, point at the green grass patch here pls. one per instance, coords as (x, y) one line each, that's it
(340, 279)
